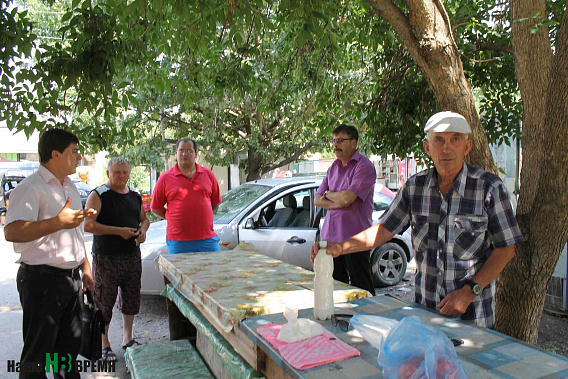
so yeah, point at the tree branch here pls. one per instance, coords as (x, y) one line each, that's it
(444, 13)
(290, 159)
(398, 20)
(481, 46)
(174, 120)
(227, 21)
(250, 30)
(394, 79)
(273, 125)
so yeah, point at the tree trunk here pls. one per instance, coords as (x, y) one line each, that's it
(543, 80)
(542, 210)
(426, 32)
(254, 159)
(254, 165)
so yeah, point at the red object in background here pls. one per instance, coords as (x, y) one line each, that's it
(406, 168)
(283, 174)
(146, 200)
(402, 172)
(387, 192)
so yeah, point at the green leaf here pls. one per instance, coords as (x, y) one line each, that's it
(66, 17)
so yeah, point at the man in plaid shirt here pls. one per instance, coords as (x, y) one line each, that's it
(463, 227)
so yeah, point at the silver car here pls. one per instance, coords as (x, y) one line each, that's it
(279, 218)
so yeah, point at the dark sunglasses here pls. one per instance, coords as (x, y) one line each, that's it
(457, 341)
(343, 324)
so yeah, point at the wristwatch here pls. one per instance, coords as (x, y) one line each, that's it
(476, 289)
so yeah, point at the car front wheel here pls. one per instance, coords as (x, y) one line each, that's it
(388, 263)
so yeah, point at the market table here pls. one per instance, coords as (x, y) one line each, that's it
(484, 354)
(223, 288)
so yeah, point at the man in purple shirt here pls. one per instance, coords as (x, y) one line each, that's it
(347, 193)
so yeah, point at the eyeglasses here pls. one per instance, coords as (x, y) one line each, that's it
(186, 151)
(339, 140)
(343, 324)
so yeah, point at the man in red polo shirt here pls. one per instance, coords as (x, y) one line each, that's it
(191, 193)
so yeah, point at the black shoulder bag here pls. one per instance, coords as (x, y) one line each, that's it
(92, 329)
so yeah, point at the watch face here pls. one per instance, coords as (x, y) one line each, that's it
(477, 289)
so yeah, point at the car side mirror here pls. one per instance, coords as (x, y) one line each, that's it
(249, 224)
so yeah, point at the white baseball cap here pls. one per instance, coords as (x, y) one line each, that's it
(447, 122)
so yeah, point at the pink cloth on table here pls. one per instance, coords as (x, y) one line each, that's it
(315, 351)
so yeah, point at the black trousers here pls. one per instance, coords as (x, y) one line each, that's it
(355, 269)
(51, 304)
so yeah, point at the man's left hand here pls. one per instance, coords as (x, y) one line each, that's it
(457, 301)
(88, 283)
(141, 237)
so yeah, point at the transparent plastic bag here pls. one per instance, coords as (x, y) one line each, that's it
(373, 328)
(414, 350)
(298, 329)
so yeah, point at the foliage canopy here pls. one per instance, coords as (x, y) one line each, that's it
(270, 79)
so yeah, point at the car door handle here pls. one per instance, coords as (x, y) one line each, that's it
(296, 240)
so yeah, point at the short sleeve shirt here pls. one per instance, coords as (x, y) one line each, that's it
(358, 176)
(39, 197)
(453, 236)
(189, 203)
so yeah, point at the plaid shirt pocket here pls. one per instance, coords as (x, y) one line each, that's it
(419, 224)
(467, 235)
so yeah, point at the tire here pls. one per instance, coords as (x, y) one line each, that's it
(388, 264)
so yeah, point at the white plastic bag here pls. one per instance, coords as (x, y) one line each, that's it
(374, 329)
(298, 329)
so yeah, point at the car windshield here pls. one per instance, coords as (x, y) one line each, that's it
(236, 200)
(381, 201)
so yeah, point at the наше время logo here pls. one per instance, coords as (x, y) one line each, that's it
(56, 363)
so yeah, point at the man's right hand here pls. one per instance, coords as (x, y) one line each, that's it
(127, 233)
(72, 218)
(334, 249)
